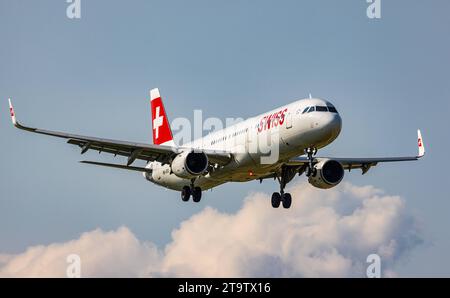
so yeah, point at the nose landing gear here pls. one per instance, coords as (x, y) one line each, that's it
(310, 170)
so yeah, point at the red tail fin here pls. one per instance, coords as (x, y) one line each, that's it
(162, 134)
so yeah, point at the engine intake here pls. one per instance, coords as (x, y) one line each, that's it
(189, 164)
(329, 174)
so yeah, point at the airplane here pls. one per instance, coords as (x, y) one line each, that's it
(225, 155)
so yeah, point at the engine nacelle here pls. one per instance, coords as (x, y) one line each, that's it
(329, 174)
(189, 164)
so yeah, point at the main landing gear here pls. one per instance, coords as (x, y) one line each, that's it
(277, 198)
(194, 191)
(287, 174)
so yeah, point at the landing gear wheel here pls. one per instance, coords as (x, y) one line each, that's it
(287, 200)
(276, 200)
(185, 193)
(197, 194)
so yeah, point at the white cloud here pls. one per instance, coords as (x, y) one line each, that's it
(325, 233)
(116, 253)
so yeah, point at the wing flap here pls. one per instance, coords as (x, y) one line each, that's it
(117, 149)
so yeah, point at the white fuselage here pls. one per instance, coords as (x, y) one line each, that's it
(252, 141)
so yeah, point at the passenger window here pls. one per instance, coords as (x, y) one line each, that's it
(321, 109)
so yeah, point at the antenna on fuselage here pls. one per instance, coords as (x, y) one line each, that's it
(310, 96)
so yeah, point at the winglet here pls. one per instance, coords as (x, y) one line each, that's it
(14, 120)
(420, 144)
(11, 111)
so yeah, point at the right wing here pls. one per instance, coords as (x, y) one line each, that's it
(132, 150)
(364, 163)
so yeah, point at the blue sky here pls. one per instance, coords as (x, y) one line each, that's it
(91, 76)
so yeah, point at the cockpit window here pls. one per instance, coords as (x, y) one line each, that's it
(332, 109)
(328, 108)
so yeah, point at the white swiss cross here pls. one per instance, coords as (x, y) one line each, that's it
(157, 122)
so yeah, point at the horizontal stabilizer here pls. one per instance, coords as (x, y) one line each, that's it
(117, 166)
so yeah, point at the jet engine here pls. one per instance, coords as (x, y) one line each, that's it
(189, 164)
(328, 173)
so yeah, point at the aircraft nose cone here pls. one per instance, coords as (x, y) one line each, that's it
(336, 124)
(332, 125)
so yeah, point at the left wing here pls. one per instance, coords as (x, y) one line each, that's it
(363, 163)
(132, 150)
